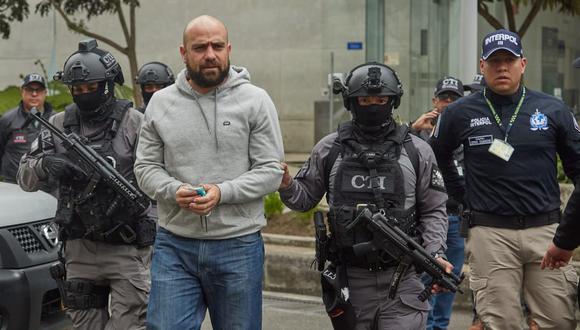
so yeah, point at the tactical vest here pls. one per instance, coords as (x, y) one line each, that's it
(86, 217)
(369, 174)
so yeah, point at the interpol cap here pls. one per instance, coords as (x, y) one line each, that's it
(577, 63)
(501, 39)
(477, 84)
(449, 84)
(33, 78)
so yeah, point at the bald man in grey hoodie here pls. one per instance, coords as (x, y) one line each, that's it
(215, 130)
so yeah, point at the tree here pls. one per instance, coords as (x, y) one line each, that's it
(17, 10)
(570, 7)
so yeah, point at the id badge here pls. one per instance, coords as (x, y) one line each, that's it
(501, 149)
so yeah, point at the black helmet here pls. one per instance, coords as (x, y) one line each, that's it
(155, 73)
(372, 79)
(90, 64)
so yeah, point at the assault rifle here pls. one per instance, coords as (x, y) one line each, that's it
(389, 238)
(97, 169)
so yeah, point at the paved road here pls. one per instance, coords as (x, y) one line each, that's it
(291, 312)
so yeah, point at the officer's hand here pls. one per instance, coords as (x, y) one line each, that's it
(424, 121)
(448, 268)
(286, 178)
(555, 257)
(203, 205)
(60, 166)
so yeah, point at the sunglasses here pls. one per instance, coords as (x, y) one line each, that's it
(448, 96)
(31, 90)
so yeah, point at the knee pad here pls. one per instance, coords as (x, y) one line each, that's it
(85, 294)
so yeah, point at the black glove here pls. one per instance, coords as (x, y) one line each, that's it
(60, 166)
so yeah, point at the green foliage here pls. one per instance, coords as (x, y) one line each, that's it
(10, 11)
(305, 218)
(58, 95)
(272, 205)
(562, 178)
(9, 98)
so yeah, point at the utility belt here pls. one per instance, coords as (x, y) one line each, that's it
(476, 218)
(140, 233)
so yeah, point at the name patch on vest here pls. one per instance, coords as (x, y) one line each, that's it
(480, 140)
(363, 183)
(19, 137)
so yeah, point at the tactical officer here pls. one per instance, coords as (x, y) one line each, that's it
(477, 85)
(374, 161)
(511, 136)
(107, 251)
(152, 77)
(448, 90)
(15, 140)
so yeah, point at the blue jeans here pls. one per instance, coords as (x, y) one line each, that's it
(189, 276)
(441, 303)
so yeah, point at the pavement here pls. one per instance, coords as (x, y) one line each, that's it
(290, 312)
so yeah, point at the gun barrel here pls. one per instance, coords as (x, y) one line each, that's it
(390, 238)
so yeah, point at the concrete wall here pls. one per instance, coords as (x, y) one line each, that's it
(284, 44)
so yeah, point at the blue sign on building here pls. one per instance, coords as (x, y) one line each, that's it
(354, 45)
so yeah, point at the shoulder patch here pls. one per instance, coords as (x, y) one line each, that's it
(436, 181)
(575, 122)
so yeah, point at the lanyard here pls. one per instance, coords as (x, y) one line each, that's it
(512, 119)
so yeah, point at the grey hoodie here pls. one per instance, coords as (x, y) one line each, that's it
(229, 137)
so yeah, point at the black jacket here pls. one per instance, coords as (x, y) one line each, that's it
(526, 184)
(15, 142)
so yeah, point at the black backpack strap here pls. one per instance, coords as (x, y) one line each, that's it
(344, 130)
(71, 122)
(413, 153)
(329, 161)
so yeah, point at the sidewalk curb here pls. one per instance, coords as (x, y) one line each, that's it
(282, 296)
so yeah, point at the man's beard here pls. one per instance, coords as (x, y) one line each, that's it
(201, 80)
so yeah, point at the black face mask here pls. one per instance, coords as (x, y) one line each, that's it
(91, 105)
(88, 102)
(146, 96)
(373, 115)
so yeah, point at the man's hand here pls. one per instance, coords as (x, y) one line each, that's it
(555, 257)
(286, 178)
(448, 268)
(424, 121)
(188, 198)
(60, 166)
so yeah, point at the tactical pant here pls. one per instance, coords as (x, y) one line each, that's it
(125, 269)
(369, 294)
(505, 261)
